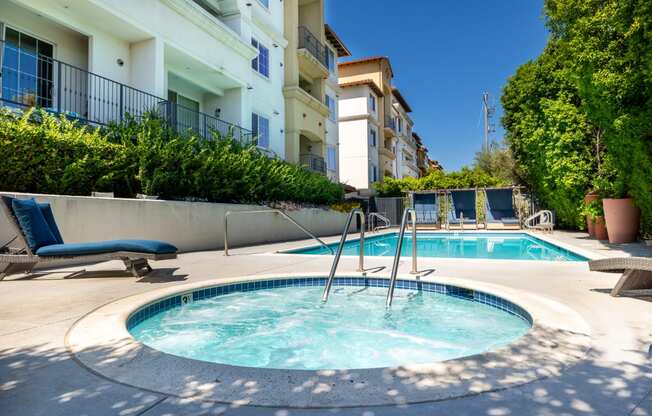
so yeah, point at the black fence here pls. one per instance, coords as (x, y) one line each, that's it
(310, 42)
(30, 79)
(392, 208)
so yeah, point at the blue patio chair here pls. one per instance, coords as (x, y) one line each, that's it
(499, 208)
(426, 207)
(462, 209)
(39, 241)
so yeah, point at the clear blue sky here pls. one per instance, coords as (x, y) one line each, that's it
(445, 53)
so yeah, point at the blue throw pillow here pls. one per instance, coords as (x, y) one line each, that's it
(46, 210)
(31, 220)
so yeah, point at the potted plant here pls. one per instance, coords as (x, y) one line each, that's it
(621, 214)
(588, 199)
(594, 213)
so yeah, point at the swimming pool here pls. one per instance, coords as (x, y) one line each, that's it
(283, 324)
(505, 246)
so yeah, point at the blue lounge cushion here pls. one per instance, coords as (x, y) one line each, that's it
(104, 247)
(35, 228)
(46, 210)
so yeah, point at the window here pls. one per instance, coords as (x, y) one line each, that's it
(330, 58)
(399, 124)
(332, 110)
(264, 3)
(260, 63)
(260, 129)
(27, 69)
(372, 138)
(372, 102)
(332, 158)
(374, 173)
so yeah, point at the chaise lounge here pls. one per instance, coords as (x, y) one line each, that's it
(38, 241)
(426, 207)
(636, 274)
(499, 209)
(462, 209)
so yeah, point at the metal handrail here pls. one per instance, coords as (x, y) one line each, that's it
(372, 222)
(338, 254)
(399, 246)
(268, 211)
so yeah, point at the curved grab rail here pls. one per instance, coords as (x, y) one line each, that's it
(545, 222)
(399, 245)
(340, 247)
(268, 211)
(372, 222)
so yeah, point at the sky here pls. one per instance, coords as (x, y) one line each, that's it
(445, 54)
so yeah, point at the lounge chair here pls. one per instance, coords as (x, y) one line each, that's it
(462, 209)
(499, 208)
(38, 241)
(426, 207)
(637, 273)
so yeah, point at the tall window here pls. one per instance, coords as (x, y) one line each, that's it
(332, 109)
(374, 173)
(399, 124)
(260, 63)
(372, 102)
(332, 158)
(372, 138)
(260, 128)
(27, 70)
(330, 58)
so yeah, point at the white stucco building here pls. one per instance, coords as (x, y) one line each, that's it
(205, 63)
(335, 49)
(406, 145)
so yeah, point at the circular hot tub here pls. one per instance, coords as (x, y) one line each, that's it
(283, 324)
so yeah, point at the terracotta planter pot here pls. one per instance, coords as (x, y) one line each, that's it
(600, 228)
(622, 218)
(589, 224)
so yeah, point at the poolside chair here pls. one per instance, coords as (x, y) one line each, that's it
(462, 209)
(426, 207)
(499, 208)
(38, 241)
(637, 273)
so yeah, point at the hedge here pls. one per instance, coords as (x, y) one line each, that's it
(45, 154)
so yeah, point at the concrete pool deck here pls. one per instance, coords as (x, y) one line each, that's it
(38, 375)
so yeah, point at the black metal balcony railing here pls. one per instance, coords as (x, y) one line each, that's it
(313, 163)
(390, 123)
(31, 80)
(312, 44)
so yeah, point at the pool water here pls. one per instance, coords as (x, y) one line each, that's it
(290, 328)
(506, 246)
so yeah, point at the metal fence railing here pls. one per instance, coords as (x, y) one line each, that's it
(312, 44)
(313, 163)
(33, 80)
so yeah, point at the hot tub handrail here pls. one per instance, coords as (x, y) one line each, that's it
(268, 211)
(399, 245)
(340, 247)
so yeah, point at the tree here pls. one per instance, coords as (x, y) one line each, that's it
(497, 161)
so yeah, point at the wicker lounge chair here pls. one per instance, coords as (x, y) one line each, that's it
(637, 273)
(499, 208)
(462, 209)
(16, 256)
(426, 207)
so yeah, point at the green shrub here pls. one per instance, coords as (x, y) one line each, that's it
(45, 154)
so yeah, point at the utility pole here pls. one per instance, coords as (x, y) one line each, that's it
(488, 111)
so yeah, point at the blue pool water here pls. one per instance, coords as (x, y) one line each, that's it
(506, 246)
(290, 328)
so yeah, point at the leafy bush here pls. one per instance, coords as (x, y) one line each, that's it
(45, 154)
(436, 179)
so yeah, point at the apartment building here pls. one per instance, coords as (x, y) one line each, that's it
(406, 146)
(422, 156)
(204, 64)
(365, 121)
(335, 49)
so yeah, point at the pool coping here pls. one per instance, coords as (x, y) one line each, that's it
(559, 338)
(550, 239)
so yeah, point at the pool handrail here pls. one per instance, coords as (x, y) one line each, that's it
(399, 245)
(373, 224)
(340, 247)
(268, 211)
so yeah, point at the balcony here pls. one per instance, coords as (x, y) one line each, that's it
(313, 163)
(388, 151)
(390, 126)
(312, 55)
(60, 88)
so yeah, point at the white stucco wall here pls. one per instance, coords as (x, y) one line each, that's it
(191, 226)
(354, 153)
